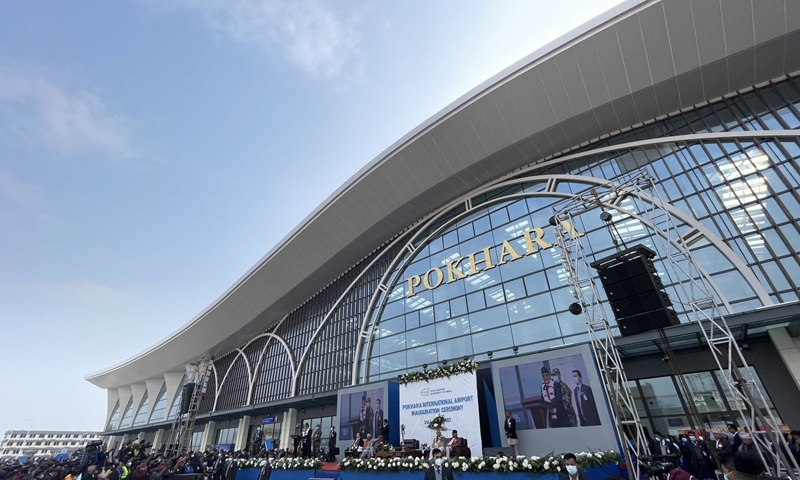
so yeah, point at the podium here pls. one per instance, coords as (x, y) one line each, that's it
(297, 442)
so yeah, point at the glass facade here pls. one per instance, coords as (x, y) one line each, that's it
(739, 205)
(486, 276)
(141, 414)
(127, 416)
(160, 406)
(176, 404)
(227, 435)
(662, 408)
(112, 421)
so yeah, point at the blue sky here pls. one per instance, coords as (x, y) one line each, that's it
(151, 152)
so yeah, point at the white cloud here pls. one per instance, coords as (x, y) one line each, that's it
(70, 122)
(310, 33)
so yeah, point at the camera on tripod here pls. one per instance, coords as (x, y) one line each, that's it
(657, 465)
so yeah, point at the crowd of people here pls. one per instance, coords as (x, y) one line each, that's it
(136, 461)
(702, 458)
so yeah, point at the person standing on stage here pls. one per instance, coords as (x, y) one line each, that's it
(511, 432)
(370, 417)
(332, 445)
(306, 441)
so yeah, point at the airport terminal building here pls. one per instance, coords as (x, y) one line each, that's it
(441, 247)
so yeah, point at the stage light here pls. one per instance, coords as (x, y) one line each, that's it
(515, 349)
(552, 221)
(605, 216)
(489, 354)
(424, 366)
(444, 362)
(466, 358)
(575, 308)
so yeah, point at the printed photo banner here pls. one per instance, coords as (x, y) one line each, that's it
(455, 398)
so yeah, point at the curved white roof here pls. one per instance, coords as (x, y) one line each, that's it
(635, 62)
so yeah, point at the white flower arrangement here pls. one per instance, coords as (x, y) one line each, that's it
(467, 366)
(550, 463)
(281, 463)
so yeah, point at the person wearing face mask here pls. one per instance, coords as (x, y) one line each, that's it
(698, 459)
(662, 446)
(438, 471)
(742, 466)
(332, 449)
(584, 400)
(572, 473)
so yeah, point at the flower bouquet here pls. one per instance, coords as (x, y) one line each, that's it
(437, 423)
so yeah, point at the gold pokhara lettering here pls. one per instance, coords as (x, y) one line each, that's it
(481, 260)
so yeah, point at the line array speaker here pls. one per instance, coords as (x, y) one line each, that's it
(635, 291)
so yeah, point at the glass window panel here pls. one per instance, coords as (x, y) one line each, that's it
(420, 336)
(475, 301)
(536, 283)
(450, 239)
(704, 392)
(775, 210)
(734, 400)
(531, 307)
(522, 266)
(465, 232)
(489, 318)
(451, 328)
(392, 344)
(446, 291)
(481, 279)
(571, 324)
(775, 242)
(532, 331)
(514, 290)
(390, 363)
(711, 259)
(390, 327)
(426, 316)
(412, 320)
(495, 295)
(661, 396)
(394, 309)
(791, 267)
(481, 225)
(775, 276)
(458, 306)
(499, 217)
(457, 347)
(492, 339)
(518, 209)
(441, 311)
(421, 356)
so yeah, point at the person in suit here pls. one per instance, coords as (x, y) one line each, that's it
(721, 443)
(584, 400)
(697, 456)
(307, 441)
(332, 445)
(572, 473)
(438, 471)
(266, 471)
(370, 417)
(384, 430)
(510, 427)
(662, 446)
(379, 415)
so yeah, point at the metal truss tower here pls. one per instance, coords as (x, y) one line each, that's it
(635, 197)
(198, 374)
